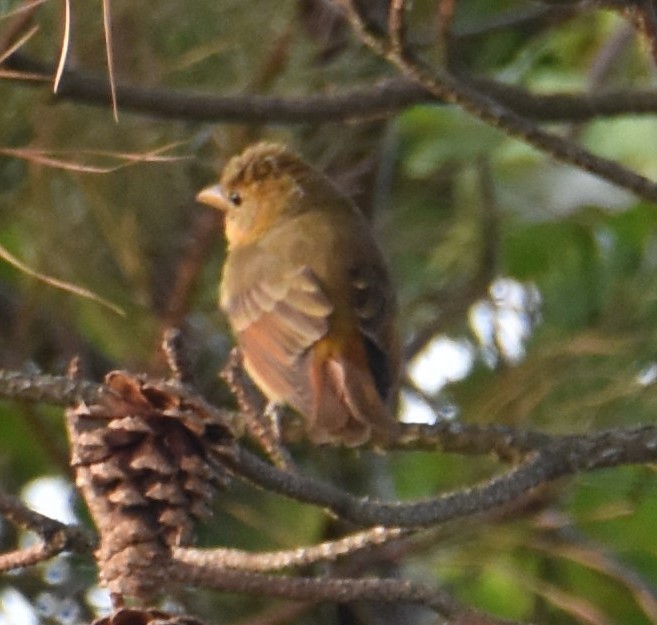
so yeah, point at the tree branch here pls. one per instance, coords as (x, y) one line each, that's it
(276, 560)
(451, 88)
(561, 457)
(56, 536)
(318, 589)
(383, 99)
(547, 458)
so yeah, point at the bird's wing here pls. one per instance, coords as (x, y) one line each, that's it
(277, 320)
(372, 298)
(282, 324)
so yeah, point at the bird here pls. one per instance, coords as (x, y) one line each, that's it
(308, 295)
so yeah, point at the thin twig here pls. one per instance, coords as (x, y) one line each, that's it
(34, 554)
(276, 560)
(69, 287)
(19, 20)
(56, 536)
(445, 13)
(318, 589)
(66, 41)
(396, 25)
(4, 54)
(261, 428)
(107, 29)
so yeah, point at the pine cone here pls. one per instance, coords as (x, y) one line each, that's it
(145, 459)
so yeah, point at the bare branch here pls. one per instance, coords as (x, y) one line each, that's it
(40, 552)
(562, 457)
(66, 41)
(553, 457)
(107, 29)
(56, 537)
(276, 560)
(59, 284)
(4, 54)
(49, 389)
(259, 425)
(507, 443)
(318, 589)
(383, 99)
(396, 25)
(66, 391)
(19, 21)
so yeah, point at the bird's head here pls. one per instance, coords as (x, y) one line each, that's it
(256, 188)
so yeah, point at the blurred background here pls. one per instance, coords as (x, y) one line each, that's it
(527, 288)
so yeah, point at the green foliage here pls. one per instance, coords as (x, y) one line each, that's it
(434, 136)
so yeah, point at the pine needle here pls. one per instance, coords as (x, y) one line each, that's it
(59, 284)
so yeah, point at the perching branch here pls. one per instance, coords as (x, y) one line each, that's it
(563, 456)
(55, 536)
(110, 451)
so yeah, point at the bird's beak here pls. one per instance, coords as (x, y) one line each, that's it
(212, 196)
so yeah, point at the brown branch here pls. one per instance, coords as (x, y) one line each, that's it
(561, 457)
(40, 552)
(65, 391)
(648, 20)
(643, 15)
(276, 560)
(48, 389)
(553, 457)
(564, 107)
(507, 443)
(262, 423)
(20, 22)
(318, 589)
(383, 99)
(55, 536)
(445, 12)
(176, 356)
(340, 590)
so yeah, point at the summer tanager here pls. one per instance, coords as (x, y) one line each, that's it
(308, 295)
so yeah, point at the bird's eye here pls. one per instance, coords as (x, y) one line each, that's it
(235, 198)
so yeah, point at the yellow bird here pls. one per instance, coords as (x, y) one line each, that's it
(308, 295)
